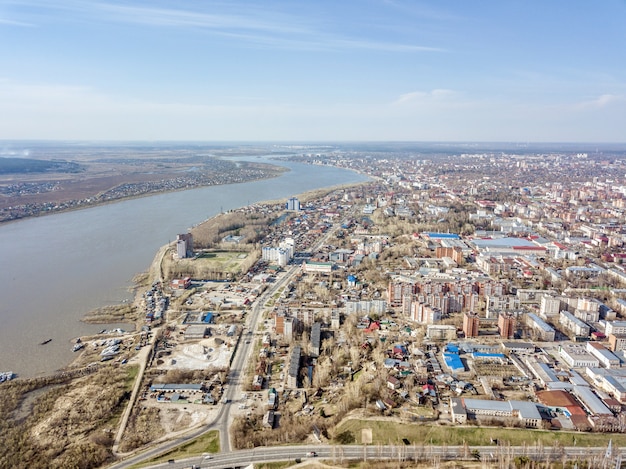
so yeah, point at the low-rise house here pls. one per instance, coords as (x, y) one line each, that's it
(393, 383)
(257, 383)
(268, 419)
(177, 388)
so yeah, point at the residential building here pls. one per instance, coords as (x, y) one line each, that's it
(316, 339)
(289, 328)
(293, 204)
(471, 324)
(574, 325)
(294, 367)
(335, 319)
(440, 332)
(424, 314)
(617, 342)
(396, 291)
(507, 324)
(184, 245)
(366, 307)
(543, 330)
(604, 356)
(615, 327)
(549, 307)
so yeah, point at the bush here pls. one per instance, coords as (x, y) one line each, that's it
(345, 438)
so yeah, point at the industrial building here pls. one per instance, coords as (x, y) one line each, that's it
(463, 409)
(577, 356)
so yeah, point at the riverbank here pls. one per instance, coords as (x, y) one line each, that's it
(86, 259)
(128, 312)
(52, 208)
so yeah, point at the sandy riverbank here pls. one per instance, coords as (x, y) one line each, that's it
(129, 313)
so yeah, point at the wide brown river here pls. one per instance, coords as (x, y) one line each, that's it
(54, 269)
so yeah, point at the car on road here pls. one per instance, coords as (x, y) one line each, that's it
(311, 454)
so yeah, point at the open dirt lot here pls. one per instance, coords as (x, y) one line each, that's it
(198, 356)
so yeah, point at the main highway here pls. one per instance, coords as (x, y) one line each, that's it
(490, 455)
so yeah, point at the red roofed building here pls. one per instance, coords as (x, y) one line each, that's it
(374, 326)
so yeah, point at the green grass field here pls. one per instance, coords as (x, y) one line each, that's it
(129, 382)
(207, 443)
(386, 432)
(228, 261)
(206, 264)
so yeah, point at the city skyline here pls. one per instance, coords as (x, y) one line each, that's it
(320, 71)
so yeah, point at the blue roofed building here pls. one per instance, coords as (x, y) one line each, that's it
(433, 235)
(452, 359)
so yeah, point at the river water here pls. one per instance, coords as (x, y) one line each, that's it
(54, 269)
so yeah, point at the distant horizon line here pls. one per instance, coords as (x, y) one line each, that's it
(312, 142)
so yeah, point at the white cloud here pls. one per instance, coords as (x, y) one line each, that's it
(392, 47)
(256, 25)
(186, 18)
(422, 97)
(601, 102)
(4, 21)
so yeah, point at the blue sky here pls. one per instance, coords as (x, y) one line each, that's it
(449, 70)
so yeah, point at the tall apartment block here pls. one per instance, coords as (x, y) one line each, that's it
(184, 245)
(471, 324)
(506, 325)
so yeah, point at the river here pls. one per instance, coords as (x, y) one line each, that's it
(55, 268)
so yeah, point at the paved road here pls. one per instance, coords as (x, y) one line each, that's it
(143, 357)
(242, 358)
(337, 454)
